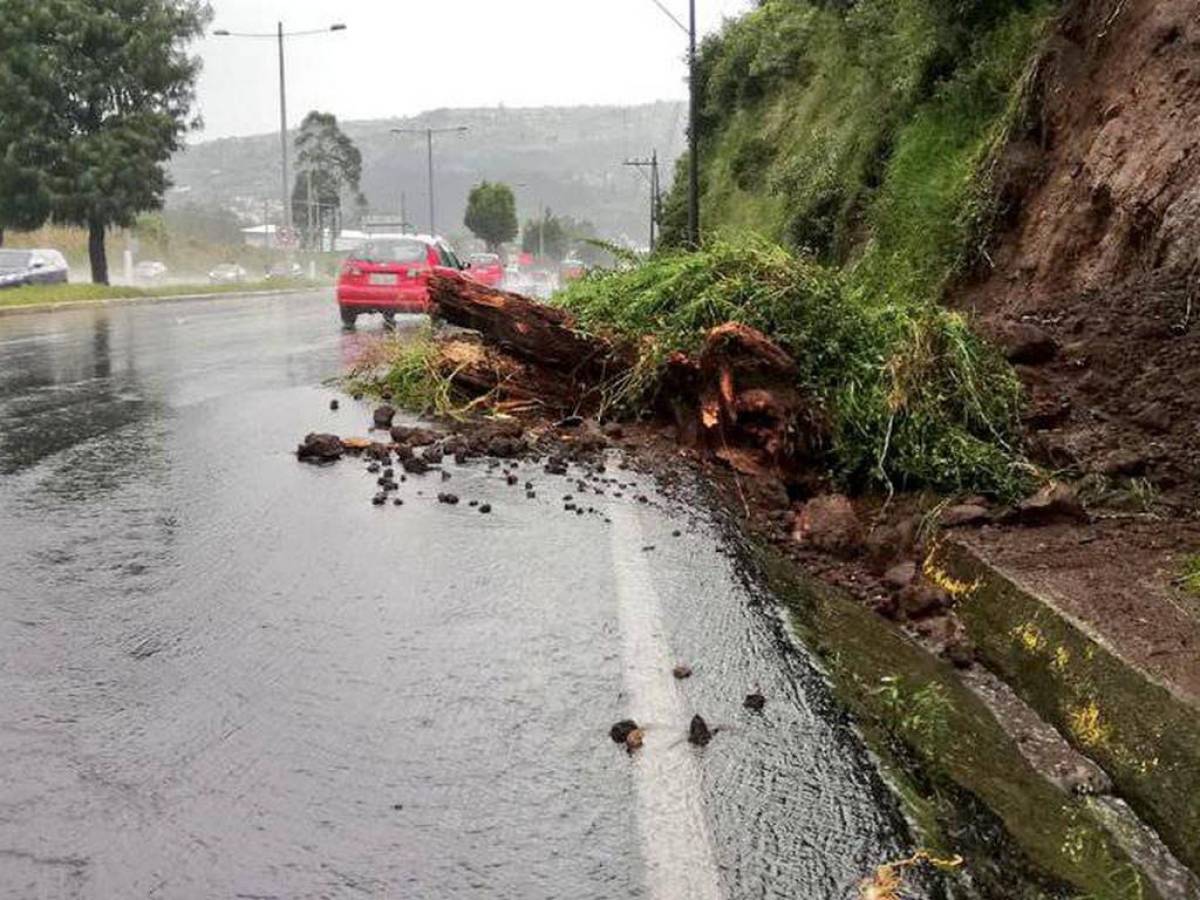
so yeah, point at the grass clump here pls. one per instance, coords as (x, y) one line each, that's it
(1189, 578)
(405, 368)
(915, 399)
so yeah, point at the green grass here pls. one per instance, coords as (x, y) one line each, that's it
(914, 398)
(37, 295)
(405, 368)
(1189, 577)
(865, 136)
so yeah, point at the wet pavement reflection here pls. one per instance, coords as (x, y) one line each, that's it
(229, 675)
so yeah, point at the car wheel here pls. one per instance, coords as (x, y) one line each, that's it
(349, 317)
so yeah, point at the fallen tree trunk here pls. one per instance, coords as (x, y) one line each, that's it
(543, 335)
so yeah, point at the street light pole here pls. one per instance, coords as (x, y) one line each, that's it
(283, 142)
(429, 133)
(278, 35)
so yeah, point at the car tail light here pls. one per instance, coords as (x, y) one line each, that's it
(350, 270)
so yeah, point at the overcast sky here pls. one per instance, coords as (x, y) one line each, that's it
(400, 57)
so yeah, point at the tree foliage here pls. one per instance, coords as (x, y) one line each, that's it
(492, 214)
(327, 158)
(95, 97)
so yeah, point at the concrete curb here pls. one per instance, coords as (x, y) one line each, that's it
(139, 301)
(1144, 733)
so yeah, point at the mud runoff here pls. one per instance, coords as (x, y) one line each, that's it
(228, 674)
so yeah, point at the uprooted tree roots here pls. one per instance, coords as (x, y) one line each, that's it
(739, 397)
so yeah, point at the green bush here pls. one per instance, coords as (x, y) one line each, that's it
(914, 397)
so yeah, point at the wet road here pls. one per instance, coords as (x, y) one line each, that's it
(226, 674)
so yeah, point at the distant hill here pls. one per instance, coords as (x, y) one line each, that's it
(569, 158)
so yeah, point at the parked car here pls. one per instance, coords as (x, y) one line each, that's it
(486, 268)
(285, 270)
(149, 271)
(21, 267)
(227, 273)
(389, 274)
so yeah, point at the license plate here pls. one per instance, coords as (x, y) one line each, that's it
(384, 278)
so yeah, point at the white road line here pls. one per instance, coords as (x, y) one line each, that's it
(676, 843)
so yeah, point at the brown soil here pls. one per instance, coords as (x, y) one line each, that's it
(1102, 203)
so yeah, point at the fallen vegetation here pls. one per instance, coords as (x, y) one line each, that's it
(912, 397)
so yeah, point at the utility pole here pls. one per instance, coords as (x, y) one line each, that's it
(429, 133)
(652, 165)
(693, 228)
(693, 136)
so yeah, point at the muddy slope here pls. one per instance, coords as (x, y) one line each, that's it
(1102, 241)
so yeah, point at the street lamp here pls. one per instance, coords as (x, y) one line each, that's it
(429, 133)
(279, 34)
(693, 236)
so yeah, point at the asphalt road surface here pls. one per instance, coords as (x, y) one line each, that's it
(228, 675)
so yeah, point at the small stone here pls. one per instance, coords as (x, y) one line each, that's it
(900, 575)
(448, 499)
(334, 405)
(473, 504)
(511, 480)
(397, 502)
(530, 494)
(383, 416)
(485, 508)
(1054, 502)
(920, 600)
(755, 701)
(620, 731)
(682, 671)
(373, 468)
(446, 476)
(415, 465)
(379, 499)
(634, 740)
(699, 734)
(829, 523)
(676, 533)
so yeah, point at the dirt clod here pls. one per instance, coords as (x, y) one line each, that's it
(320, 448)
(682, 671)
(755, 701)
(383, 416)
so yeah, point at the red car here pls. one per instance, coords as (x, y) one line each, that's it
(486, 268)
(390, 275)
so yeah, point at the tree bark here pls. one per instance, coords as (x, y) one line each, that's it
(96, 252)
(540, 334)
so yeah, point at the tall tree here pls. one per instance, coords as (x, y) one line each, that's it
(492, 214)
(327, 158)
(545, 237)
(107, 86)
(27, 73)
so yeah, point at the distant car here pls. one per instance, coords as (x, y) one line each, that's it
(389, 274)
(227, 273)
(543, 284)
(21, 267)
(486, 268)
(572, 269)
(285, 270)
(149, 271)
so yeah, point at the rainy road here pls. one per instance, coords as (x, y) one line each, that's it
(226, 674)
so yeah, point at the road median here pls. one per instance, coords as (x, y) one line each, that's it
(135, 296)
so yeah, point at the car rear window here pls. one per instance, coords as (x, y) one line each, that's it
(15, 259)
(485, 259)
(399, 251)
